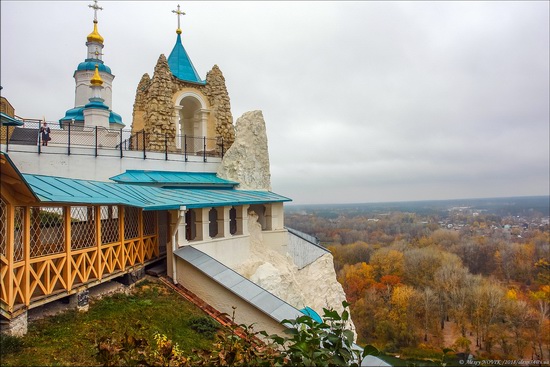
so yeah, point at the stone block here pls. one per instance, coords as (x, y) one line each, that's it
(133, 276)
(80, 301)
(17, 326)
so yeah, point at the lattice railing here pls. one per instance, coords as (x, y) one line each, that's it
(3, 226)
(42, 264)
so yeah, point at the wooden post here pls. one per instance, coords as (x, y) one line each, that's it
(99, 254)
(10, 253)
(157, 236)
(27, 254)
(141, 249)
(67, 273)
(122, 252)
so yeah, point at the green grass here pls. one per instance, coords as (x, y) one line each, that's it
(70, 338)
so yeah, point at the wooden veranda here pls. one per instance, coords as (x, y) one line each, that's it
(49, 251)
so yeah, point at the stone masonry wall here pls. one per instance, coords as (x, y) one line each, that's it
(154, 110)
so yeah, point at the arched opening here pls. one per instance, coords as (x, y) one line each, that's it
(213, 226)
(191, 123)
(260, 211)
(190, 225)
(232, 220)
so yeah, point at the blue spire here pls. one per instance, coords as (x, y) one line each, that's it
(180, 64)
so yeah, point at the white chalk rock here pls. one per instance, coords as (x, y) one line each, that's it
(247, 161)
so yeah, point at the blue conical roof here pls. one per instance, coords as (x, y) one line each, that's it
(180, 64)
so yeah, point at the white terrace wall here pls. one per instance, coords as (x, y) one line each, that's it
(224, 300)
(81, 164)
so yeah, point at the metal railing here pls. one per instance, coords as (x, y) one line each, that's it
(98, 139)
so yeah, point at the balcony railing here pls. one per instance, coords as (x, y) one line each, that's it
(98, 140)
(48, 251)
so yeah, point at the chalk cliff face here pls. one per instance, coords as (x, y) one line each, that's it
(247, 161)
(314, 285)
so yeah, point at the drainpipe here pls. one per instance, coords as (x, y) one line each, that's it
(181, 216)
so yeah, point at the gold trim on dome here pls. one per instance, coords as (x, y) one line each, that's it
(95, 36)
(96, 79)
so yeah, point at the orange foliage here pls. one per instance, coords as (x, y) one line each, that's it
(390, 280)
(356, 279)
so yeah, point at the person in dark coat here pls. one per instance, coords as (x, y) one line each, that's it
(45, 133)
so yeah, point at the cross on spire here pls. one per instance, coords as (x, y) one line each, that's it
(96, 8)
(179, 13)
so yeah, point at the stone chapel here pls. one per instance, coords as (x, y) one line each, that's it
(175, 106)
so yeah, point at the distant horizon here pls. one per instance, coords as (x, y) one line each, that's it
(547, 196)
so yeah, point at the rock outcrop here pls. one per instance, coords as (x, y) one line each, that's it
(247, 161)
(315, 285)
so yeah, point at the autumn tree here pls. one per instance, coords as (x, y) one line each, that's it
(541, 298)
(518, 318)
(402, 315)
(448, 279)
(355, 280)
(387, 261)
(426, 301)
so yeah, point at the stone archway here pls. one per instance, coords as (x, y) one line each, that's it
(191, 121)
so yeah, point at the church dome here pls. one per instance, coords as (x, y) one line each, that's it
(95, 36)
(90, 65)
(96, 79)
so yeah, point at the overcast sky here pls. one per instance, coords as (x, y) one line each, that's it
(363, 101)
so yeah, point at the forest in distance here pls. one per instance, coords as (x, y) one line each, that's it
(471, 275)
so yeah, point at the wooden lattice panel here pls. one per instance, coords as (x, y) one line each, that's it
(131, 222)
(149, 223)
(110, 229)
(47, 231)
(18, 235)
(83, 231)
(3, 227)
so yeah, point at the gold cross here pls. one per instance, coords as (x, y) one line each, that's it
(179, 13)
(96, 8)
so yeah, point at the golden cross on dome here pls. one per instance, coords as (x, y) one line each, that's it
(179, 13)
(96, 8)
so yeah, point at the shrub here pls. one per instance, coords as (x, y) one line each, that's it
(204, 325)
(309, 343)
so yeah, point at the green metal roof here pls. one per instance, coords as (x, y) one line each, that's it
(7, 120)
(180, 64)
(166, 178)
(67, 190)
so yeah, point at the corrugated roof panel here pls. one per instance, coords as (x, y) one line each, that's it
(67, 190)
(172, 178)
